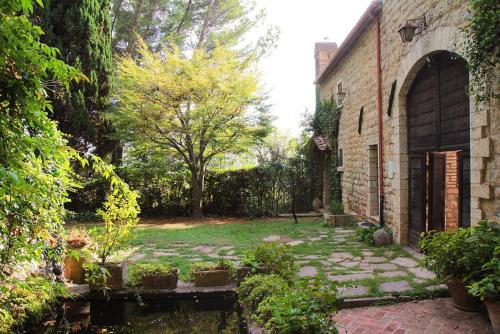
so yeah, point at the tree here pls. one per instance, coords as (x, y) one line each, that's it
(35, 174)
(189, 24)
(81, 30)
(196, 108)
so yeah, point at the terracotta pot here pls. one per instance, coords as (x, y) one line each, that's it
(493, 307)
(161, 281)
(117, 275)
(73, 269)
(316, 204)
(212, 277)
(461, 297)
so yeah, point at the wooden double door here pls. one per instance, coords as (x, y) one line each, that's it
(438, 128)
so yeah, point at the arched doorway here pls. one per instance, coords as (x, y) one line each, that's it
(438, 119)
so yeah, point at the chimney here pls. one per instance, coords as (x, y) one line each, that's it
(323, 54)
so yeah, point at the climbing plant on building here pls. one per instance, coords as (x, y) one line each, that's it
(481, 48)
(326, 122)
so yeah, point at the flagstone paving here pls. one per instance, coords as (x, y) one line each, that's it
(325, 253)
(432, 316)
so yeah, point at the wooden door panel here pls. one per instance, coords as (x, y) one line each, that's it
(437, 191)
(464, 174)
(417, 198)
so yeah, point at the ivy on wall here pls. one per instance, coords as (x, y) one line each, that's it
(481, 47)
(326, 122)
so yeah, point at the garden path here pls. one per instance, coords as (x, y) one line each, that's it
(324, 253)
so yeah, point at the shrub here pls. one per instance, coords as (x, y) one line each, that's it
(24, 302)
(306, 311)
(461, 253)
(336, 208)
(366, 234)
(256, 288)
(276, 258)
(137, 272)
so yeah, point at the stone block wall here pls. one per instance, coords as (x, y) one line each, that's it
(400, 63)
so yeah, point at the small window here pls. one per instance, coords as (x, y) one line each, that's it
(391, 98)
(360, 121)
(340, 158)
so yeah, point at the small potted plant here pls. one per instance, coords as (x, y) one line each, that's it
(76, 255)
(212, 274)
(119, 215)
(153, 276)
(457, 258)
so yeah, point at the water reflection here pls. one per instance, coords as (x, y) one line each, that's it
(209, 316)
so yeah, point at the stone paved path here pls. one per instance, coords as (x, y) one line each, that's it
(330, 253)
(433, 316)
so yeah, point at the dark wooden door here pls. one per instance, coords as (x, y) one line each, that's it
(438, 120)
(417, 194)
(464, 188)
(437, 174)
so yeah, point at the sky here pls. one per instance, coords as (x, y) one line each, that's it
(288, 73)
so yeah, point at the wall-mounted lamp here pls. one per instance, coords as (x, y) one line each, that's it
(340, 93)
(411, 27)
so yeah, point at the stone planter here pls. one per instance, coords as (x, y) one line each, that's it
(161, 281)
(243, 272)
(212, 277)
(493, 307)
(73, 269)
(461, 297)
(117, 275)
(337, 220)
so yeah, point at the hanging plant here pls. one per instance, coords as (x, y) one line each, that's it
(481, 48)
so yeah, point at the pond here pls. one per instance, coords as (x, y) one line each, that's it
(220, 315)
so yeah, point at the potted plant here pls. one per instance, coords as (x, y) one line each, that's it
(485, 284)
(153, 276)
(119, 215)
(76, 255)
(488, 288)
(457, 257)
(212, 274)
(268, 258)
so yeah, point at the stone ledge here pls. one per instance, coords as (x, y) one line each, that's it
(184, 290)
(336, 220)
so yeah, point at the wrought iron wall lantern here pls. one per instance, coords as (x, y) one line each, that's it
(412, 27)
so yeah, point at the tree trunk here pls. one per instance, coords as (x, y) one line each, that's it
(197, 181)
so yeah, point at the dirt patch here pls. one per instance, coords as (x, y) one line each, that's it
(188, 222)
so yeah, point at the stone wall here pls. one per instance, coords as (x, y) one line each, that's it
(401, 62)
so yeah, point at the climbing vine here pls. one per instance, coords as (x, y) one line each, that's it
(326, 122)
(481, 47)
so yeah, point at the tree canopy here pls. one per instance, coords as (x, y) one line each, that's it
(194, 108)
(189, 24)
(81, 30)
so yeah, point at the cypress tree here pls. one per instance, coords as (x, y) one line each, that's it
(81, 30)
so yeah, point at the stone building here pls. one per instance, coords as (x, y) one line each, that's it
(416, 153)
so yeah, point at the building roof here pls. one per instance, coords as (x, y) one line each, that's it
(368, 16)
(322, 143)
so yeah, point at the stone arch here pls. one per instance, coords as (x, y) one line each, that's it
(433, 41)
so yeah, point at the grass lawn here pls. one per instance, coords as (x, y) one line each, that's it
(363, 266)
